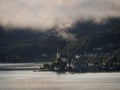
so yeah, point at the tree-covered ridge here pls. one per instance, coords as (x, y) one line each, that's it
(21, 45)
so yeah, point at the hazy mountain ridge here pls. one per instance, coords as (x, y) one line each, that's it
(26, 46)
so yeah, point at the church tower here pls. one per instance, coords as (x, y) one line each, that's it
(58, 53)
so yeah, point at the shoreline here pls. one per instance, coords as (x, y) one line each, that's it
(35, 67)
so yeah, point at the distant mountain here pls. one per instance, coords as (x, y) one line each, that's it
(91, 35)
(27, 46)
(22, 45)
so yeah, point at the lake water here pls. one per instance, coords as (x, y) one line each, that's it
(29, 80)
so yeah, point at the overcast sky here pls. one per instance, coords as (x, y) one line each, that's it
(47, 13)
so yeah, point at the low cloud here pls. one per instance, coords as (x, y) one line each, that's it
(44, 14)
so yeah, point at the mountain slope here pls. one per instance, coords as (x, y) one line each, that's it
(21, 45)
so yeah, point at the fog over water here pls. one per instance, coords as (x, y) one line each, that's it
(28, 80)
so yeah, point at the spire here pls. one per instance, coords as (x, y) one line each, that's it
(58, 53)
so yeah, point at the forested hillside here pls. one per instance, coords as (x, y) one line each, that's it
(22, 45)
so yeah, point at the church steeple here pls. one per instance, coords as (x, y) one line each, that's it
(58, 53)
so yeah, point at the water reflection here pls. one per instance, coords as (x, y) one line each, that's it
(28, 80)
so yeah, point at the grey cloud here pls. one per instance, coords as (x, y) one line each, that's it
(48, 13)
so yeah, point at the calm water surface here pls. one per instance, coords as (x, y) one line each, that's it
(28, 80)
